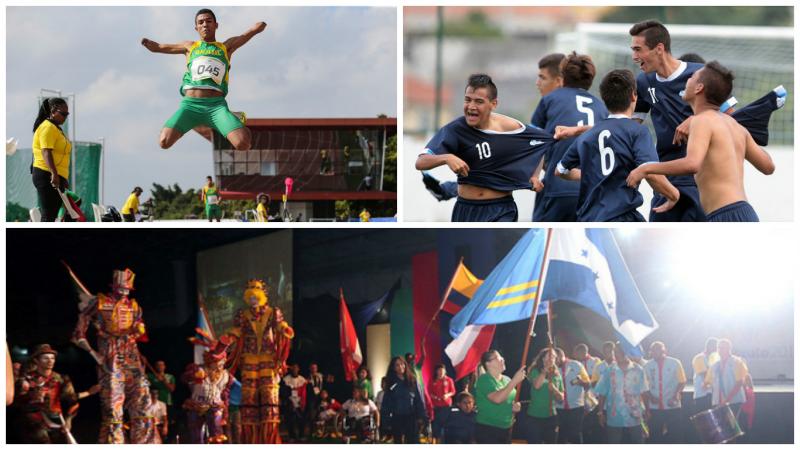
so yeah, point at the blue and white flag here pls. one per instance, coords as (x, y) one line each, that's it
(587, 268)
(508, 293)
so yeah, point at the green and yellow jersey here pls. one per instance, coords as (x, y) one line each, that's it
(207, 67)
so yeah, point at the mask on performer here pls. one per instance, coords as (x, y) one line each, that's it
(255, 294)
(122, 282)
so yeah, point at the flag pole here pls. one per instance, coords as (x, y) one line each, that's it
(537, 300)
(441, 305)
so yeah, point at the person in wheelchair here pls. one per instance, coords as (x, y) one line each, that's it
(360, 416)
(328, 411)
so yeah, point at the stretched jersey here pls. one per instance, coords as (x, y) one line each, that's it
(662, 98)
(569, 107)
(606, 154)
(503, 161)
(207, 67)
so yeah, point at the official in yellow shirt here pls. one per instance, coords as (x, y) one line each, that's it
(131, 206)
(262, 210)
(51, 156)
(365, 216)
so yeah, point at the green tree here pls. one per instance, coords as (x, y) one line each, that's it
(704, 15)
(474, 24)
(16, 213)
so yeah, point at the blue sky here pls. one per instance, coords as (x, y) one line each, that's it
(309, 62)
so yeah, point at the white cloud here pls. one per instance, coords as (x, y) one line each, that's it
(310, 62)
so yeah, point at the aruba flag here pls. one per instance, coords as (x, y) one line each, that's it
(508, 293)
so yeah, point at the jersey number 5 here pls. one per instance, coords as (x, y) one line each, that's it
(606, 153)
(484, 151)
(581, 103)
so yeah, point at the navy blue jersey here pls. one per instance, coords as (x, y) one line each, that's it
(503, 161)
(663, 100)
(569, 107)
(606, 155)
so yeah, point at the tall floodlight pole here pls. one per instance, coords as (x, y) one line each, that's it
(102, 169)
(437, 109)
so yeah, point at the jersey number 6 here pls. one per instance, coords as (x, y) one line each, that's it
(606, 153)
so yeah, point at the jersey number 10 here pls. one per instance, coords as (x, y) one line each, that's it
(484, 151)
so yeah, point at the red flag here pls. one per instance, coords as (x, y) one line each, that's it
(348, 341)
(466, 350)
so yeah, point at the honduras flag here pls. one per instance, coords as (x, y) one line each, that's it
(508, 293)
(587, 268)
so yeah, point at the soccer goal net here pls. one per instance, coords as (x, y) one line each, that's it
(761, 58)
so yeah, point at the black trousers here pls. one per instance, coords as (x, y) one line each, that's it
(593, 433)
(570, 426)
(295, 423)
(542, 430)
(404, 429)
(49, 200)
(634, 434)
(486, 434)
(664, 426)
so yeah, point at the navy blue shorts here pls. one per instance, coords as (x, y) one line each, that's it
(496, 210)
(556, 209)
(740, 211)
(687, 209)
(630, 216)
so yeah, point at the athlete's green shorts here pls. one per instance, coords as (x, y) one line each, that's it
(213, 212)
(209, 111)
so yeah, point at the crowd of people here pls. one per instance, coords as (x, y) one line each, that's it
(243, 390)
(585, 155)
(580, 399)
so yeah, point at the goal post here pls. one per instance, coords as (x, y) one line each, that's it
(761, 58)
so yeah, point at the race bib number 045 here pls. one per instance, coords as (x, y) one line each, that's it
(205, 67)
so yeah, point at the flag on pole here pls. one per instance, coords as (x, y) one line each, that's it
(587, 268)
(509, 292)
(348, 341)
(466, 349)
(204, 325)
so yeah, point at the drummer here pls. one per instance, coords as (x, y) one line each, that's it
(666, 379)
(726, 378)
(700, 364)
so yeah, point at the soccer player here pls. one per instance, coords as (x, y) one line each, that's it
(492, 155)
(753, 116)
(717, 148)
(571, 104)
(548, 79)
(205, 83)
(659, 89)
(603, 157)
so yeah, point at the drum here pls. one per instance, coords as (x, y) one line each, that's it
(717, 425)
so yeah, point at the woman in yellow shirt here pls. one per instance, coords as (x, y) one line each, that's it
(51, 156)
(131, 206)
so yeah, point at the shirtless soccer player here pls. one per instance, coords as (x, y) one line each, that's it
(492, 155)
(716, 151)
(205, 83)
